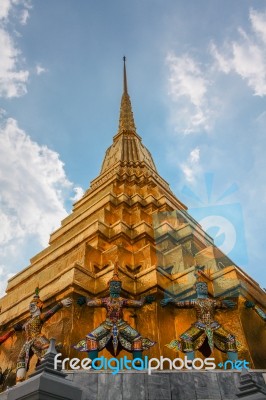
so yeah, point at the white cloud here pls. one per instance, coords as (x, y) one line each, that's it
(34, 189)
(258, 22)
(5, 7)
(191, 167)
(79, 192)
(13, 78)
(188, 89)
(40, 70)
(33, 183)
(195, 155)
(2, 112)
(247, 55)
(222, 62)
(186, 79)
(195, 99)
(24, 16)
(4, 276)
(17, 7)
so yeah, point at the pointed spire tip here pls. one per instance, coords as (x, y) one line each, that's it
(125, 75)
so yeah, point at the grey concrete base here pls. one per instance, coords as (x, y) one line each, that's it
(43, 387)
(163, 385)
(249, 388)
(128, 385)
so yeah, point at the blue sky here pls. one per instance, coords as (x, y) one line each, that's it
(197, 81)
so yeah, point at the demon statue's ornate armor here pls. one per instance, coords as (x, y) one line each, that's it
(205, 326)
(258, 310)
(35, 342)
(114, 327)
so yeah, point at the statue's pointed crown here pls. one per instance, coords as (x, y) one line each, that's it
(36, 298)
(199, 274)
(115, 277)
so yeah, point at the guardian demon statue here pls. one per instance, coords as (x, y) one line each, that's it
(114, 327)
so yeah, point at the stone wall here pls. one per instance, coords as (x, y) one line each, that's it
(163, 385)
(138, 385)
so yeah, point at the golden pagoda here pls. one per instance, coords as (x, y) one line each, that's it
(130, 214)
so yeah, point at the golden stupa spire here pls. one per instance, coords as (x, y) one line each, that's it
(127, 146)
(126, 120)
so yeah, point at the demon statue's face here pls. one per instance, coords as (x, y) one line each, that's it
(202, 289)
(33, 307)
(115, 288)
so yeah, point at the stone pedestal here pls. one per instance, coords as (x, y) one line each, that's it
(249, 389)
(45, 383)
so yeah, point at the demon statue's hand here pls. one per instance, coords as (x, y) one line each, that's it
(81, 300)
(149, 299)
(66, 302)
(18, 327)
(229, 303)
(249, 304)
(164, 302)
